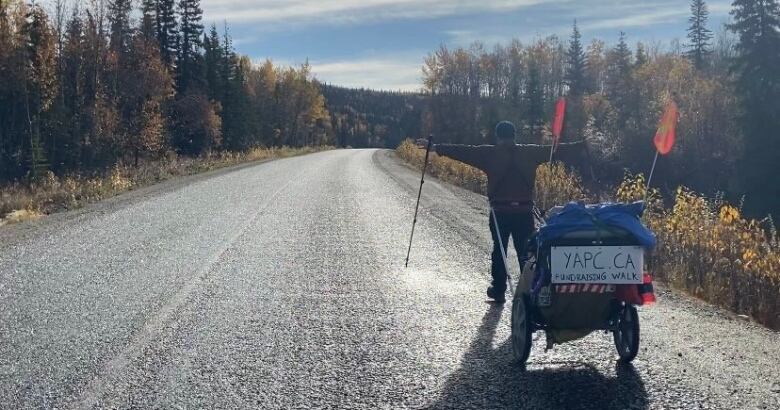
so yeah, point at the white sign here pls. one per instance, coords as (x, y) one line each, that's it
(616, 265)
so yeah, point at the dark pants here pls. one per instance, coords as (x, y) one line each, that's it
(518, 225)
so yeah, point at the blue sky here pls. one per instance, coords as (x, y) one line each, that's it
(381, 43)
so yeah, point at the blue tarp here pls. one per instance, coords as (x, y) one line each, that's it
(576, 216)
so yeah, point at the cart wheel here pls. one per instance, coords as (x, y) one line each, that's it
(627, 333)
(521, 329)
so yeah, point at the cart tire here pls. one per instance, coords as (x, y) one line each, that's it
(626, 334)
(521, 330)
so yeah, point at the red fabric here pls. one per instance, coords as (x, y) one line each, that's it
(664, 138)
(628, 294)
(647, 292)
(560, 113)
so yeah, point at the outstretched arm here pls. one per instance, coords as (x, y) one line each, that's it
(566, 151)
(570, 151)
(567, 148)
(474, 155)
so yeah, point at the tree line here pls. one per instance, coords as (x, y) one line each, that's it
(85, 87)
(726, 84)
(367, 118)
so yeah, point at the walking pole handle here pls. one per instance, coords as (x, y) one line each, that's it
(419, 194)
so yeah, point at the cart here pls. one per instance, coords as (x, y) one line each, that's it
(569, 289)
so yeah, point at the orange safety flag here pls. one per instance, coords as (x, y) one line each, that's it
(560, 112)
(664, 138)
(646, 290)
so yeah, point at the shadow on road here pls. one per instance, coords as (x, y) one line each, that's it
(488, 378)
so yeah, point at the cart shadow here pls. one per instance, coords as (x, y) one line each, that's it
(488, 378)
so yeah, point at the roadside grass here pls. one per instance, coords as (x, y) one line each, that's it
(23, 201)
(706, 248)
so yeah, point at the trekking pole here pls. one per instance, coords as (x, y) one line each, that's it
(503, 252)
(419, 194)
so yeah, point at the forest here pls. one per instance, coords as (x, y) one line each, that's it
(89, 85)
(86, 86)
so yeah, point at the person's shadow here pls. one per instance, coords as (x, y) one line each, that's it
(489, 378)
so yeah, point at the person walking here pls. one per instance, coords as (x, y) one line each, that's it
(511, 174)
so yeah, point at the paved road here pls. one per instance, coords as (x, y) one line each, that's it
(281, 285)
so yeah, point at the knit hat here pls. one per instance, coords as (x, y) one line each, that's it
(505, 130)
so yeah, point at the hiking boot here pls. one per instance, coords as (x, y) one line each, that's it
(496, 294)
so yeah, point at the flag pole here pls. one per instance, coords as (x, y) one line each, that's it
(650, 178)
(552, 150)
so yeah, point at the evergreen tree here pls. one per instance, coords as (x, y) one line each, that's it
(119, 19)
(641, 55)
(167, 30)
(149, 18)
(212, 55)
(757, 23)
(618, 81)
(40, 87)
(72, 90)
(698, 34)
(237, 119)
(226, 64)
(190, 15)
(575, 68)
(534, 95)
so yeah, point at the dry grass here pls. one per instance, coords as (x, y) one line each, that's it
(706, 248)
(20, 215)
(52, 193)
(445, 169)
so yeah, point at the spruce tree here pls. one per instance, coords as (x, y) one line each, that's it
(167, 30)
(40, 87)
(237, 118)
(575, 68)
(698, 34)
(149, 21)
(190, 16)
(641, 55)
(534, 95)
(212, 53)
(119, 18)
(618, 80)
(73, 81)
(757, 24)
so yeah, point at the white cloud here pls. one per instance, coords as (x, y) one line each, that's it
(351, 11)
(592, 15)
(643, 18)
(629, 14)
(380, 72)
(464, 38)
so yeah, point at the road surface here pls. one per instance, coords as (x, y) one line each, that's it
(281, 285)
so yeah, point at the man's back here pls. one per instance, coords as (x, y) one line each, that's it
(511, 169)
